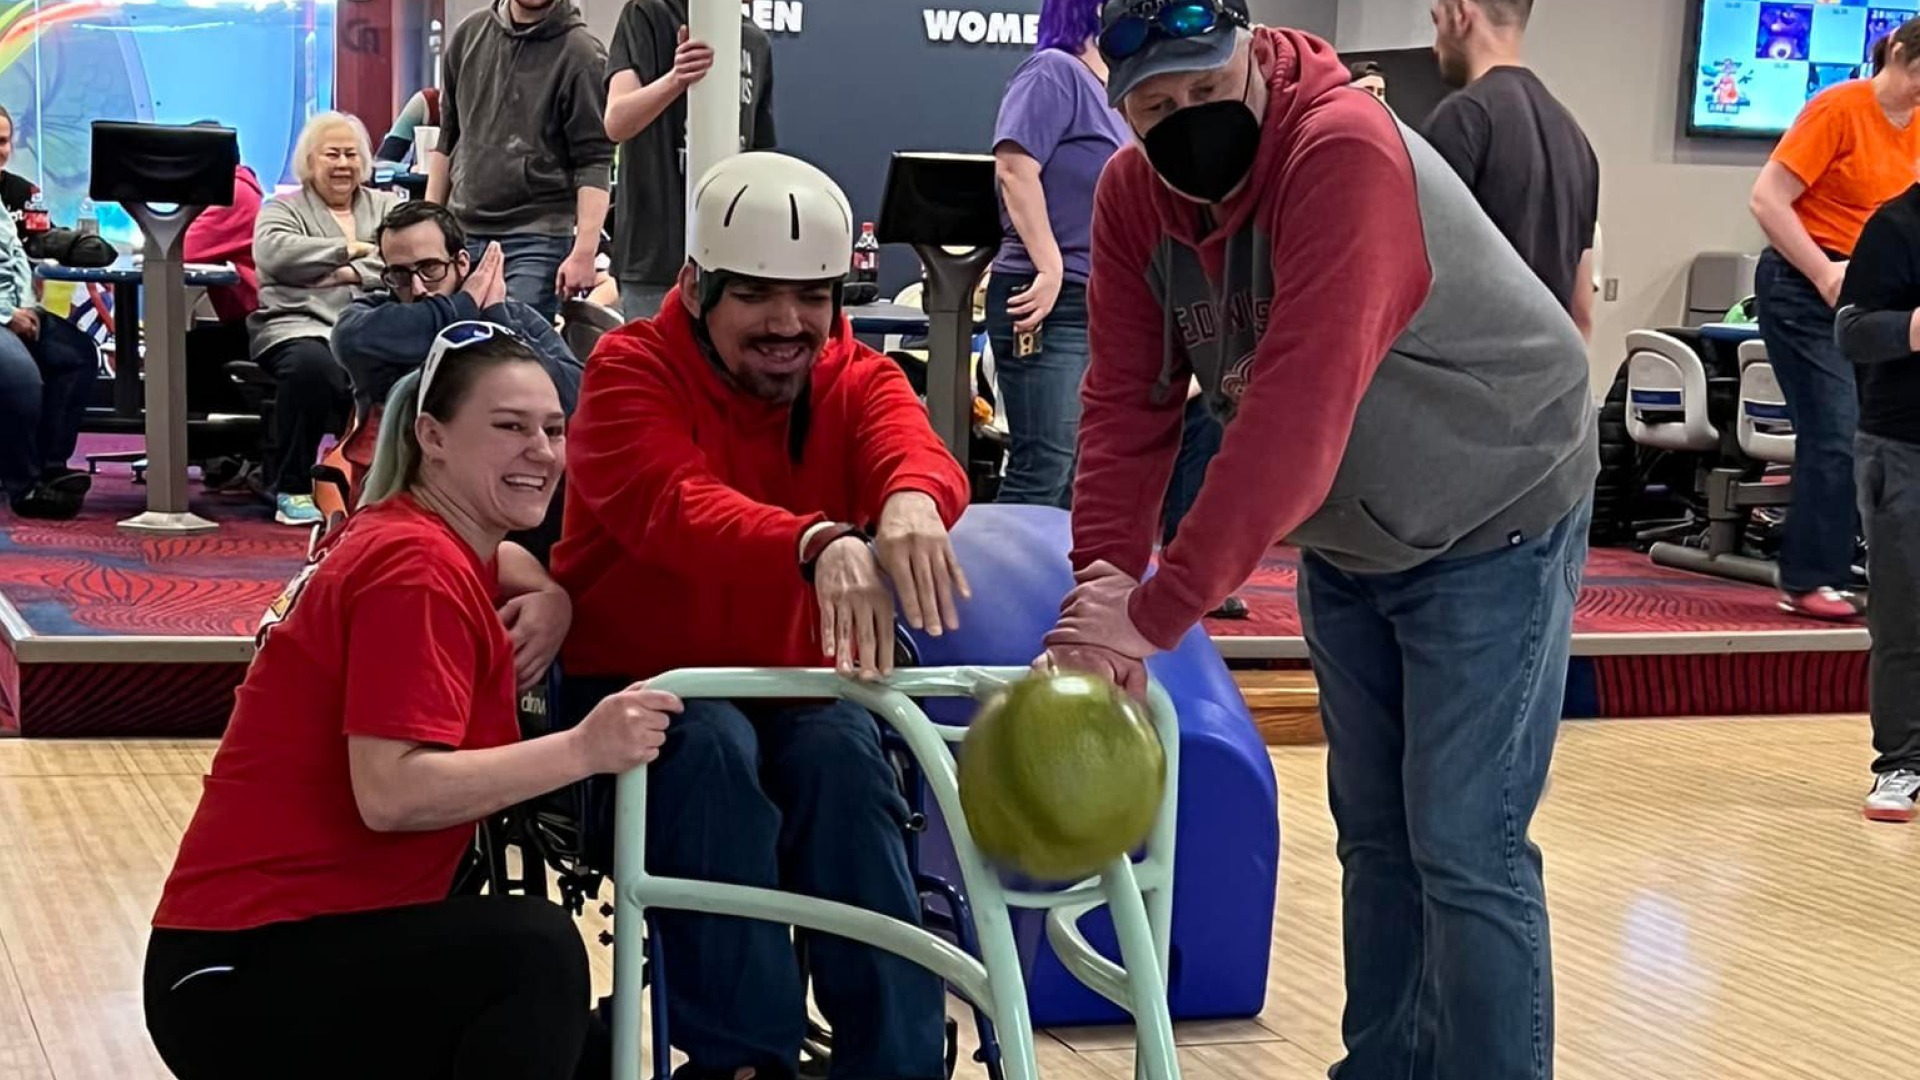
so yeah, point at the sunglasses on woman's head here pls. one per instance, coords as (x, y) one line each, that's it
(1174, 19)
(455, 337)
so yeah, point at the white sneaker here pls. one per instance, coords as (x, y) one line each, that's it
(1892, 796)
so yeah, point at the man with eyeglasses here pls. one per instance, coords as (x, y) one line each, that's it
(432, 283)
(1407, 404)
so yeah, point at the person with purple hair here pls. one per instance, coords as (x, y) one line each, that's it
(1054, 136)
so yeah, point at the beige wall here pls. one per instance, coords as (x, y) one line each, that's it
(1663, 197)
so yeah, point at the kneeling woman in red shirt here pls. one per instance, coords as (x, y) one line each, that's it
(306, 929)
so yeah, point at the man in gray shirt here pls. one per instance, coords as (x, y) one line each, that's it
(650, 65)
(523, 160)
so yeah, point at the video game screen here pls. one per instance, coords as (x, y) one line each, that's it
(1759, 62)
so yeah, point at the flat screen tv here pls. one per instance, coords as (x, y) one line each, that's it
(1756, 63)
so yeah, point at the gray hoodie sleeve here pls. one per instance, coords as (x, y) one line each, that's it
(582, 103)
(285, 252)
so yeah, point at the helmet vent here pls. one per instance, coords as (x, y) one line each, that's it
(793, 214)
(735, 204)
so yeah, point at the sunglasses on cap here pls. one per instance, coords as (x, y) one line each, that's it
(455, 337)
(1175, 19)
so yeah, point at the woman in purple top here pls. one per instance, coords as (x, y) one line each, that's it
(1054, 135)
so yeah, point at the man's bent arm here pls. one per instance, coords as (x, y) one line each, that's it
(632, 459)
(1129, 434)
(896, 449)
(1350, 270)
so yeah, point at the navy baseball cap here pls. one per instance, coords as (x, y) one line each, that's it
(1164, 37)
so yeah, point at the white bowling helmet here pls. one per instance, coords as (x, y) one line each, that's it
(770, 216)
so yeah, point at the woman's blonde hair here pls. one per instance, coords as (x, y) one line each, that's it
(396, 452)
(317, 129)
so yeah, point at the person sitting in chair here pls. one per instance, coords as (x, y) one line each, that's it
(314, 252)
(307, 927)
(431, 283)
(751, 486)
(47, 365)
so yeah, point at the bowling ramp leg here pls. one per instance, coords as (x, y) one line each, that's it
(993, 982)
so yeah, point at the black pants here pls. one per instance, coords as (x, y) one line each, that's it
(1889, 485)
(473, 988)
(310, 403)
(795, 796)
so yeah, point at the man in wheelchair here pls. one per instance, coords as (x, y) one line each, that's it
(750, 486)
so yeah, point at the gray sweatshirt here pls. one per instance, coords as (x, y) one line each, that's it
(521, 118)
(296, 245)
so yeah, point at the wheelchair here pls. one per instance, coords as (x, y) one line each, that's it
(966, 932)
(967, 936)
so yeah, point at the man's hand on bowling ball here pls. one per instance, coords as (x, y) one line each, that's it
(856, 609)
(1125, 672)
(1095, 613)
(913, 545)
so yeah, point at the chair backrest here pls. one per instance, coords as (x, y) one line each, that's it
(911, 296)
(585, 322)
(1667, 394)
(1765, 428)
(344, 468)
(1716, 281)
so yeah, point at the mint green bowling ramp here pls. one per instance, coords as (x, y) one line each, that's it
(1139, 895)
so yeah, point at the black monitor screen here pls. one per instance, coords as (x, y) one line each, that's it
(163, 164)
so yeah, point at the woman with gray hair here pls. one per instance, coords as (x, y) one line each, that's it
(316, 254)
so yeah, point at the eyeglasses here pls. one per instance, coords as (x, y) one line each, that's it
(456, 336)
(430, 271)
(1174, 19)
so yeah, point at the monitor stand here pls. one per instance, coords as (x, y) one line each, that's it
(948, 301)
(165, 305)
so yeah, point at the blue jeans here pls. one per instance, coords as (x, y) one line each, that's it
(1200, 438)
(1041, 392)
(1823, 401)
(801, 798)
(43, 398)
(533, 262)
(1442, 689)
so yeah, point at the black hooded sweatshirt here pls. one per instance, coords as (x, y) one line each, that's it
(521, 111)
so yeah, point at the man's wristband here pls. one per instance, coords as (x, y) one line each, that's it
(816, 543)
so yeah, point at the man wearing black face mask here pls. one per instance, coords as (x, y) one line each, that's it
(1407, 404)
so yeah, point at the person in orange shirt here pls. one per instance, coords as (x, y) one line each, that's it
(1854, 147)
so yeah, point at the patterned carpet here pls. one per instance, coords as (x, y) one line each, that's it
(1624, 593)
(89, 578)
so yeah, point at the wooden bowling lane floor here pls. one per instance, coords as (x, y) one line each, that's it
(1720, 911)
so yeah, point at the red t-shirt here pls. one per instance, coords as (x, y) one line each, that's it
(391, 632)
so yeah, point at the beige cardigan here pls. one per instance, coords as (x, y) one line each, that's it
(296, 244)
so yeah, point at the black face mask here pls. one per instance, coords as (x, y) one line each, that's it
(1205, 151)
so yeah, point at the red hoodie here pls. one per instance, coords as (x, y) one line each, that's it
(685, 506)
(1293, 335)
(225, 234)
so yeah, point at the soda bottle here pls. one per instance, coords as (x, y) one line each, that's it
(866, 255)
(38, 220)
(89, 223)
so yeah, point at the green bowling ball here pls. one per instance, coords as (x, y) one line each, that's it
(1059, 775)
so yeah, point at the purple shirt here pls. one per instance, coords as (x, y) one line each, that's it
(1056, 110)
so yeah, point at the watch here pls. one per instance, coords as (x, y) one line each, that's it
(817, 544)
